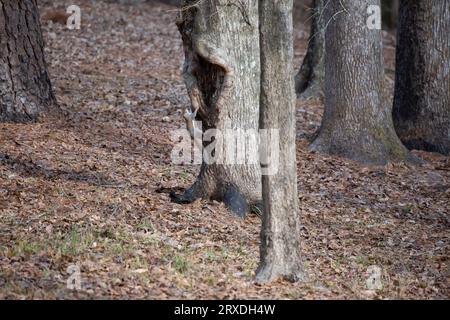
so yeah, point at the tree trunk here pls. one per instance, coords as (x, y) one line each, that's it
(422, 90)
(222, 76)
(357, 121)
(280, 232)
(25, 89)
(310, 78)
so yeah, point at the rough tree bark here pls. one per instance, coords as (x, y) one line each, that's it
(25, 89)
(222, 76)
(422, 91)
(280, 232)
(357, 121)
(310, 78)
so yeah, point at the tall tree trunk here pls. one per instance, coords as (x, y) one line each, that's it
(357, 121)
(25, 89)
(222, 75)
(310, 78)
(422, 90)
(280, 231)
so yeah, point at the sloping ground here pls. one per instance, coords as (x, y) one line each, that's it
(87, 188)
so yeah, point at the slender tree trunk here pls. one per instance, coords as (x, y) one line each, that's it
(357, 121)
(280, 232)
(222, 75)
(25, 89)
(310, 78)
(422, 90)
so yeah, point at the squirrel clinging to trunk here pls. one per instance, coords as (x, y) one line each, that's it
(194, 132)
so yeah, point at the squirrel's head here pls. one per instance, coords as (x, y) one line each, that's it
(187, 114)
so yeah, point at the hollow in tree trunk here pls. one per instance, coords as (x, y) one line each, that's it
(389, 10)
(310, 78)
(357, 121)
(222, 76)
(25, 89)
(280, 231)
(422, 91)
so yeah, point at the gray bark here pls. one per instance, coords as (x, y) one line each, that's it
(310, 78)
(422, 91)
(280, 232)
(25, 89)
(222, 76)
(357, 121)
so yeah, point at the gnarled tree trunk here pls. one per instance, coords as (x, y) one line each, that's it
(422, 91)
(25, 89)
(310, 78)
(280, 231)
(222, 75)
(357, 121)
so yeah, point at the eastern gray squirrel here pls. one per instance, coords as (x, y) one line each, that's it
(189, 117)
(195, 133)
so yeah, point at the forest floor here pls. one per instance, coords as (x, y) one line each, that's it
(87, 187)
